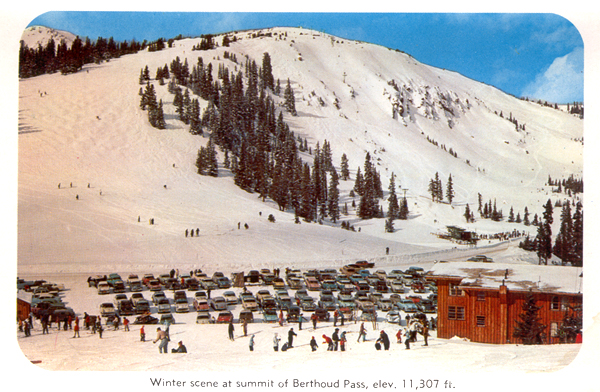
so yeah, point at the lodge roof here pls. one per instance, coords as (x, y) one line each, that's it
(516, 277)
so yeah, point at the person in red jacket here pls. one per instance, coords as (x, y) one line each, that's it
(329, 342)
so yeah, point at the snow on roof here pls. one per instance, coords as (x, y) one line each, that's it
(519, 277)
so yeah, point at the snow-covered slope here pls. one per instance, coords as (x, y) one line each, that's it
(41, 35)
(85, 131)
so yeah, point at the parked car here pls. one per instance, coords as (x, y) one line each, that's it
(327, 302)
(302, 294)
(119, 297)
(329, 284)
(322, 314)
(246, 315)
(92, 281)
(154, 285)
(396, 286)
(142, 306)
(103, 288)
(147, 278)
(249, 303)
(167, 318)
(393, 317)
(145, 319)
(312, 284)
(163, 306)
(407, 306)
(204, 318)
(201, 305)
(157, 296)
(107, 309)
(293, 313)
(368, 315)
(208, 284)
(224, 317)
(385, 304)
(63, 314)
(269, 315)
(126, 308)
(278, 283)
(182, 305)
(223, 282)
(135, 285)
(218, 303)
(112, 278)
(295, 283)
(308, 305)
(345, 300)
(230, 298)
(364, 264)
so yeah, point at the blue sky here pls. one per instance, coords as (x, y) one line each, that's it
(535, 55)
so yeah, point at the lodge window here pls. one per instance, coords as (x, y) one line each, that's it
(481, 296)
(559, 303)
(553, 330)
(456, 313)
(454, 290)
(480, 321)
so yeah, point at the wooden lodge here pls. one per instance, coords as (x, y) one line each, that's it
(482, 302)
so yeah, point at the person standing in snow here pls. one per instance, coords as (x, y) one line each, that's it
(362, 332)
(313, 344)
(336, 339)
(276, 340)
(231, 329)
(142, 334)
(164, 341)
(343, 341)
(99, 328)
(425, 333)
(407, 338)
(281, 318)
(245, 327)
(335, 317)
(384, 340)
(327, 339)
(76, 330)
(399, 336)
(314, 319)
(291, 335)
(251, 343)
(125, 324)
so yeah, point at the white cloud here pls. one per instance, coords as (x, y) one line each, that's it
(561, 82)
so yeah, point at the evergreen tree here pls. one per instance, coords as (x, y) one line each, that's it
(368, 206)
(529, 327)
(267, 72)
(333, 197)
(479, 200)
(403, 213)
(543, 239)
(359, 183)
(526, 217)
(290, 99)
(389, 225)
(467, 214)
(344, 167)
(511, 215)
(449, 190)
(564, 243)
(393, 206)
(578, 235)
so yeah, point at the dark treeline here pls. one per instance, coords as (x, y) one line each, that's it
(68, 59)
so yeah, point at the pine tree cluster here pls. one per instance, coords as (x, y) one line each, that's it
(155, 109)
(52, 58)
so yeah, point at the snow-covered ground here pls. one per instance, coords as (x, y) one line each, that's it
(85, 132)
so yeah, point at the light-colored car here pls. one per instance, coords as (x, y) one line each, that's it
(163, 306)
(103, 288)
(182, 305)
(218, 303)
(107, 309)
(204, 318)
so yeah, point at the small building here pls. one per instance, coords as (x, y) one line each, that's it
(460, 234)
(483, 302)
(23, 309)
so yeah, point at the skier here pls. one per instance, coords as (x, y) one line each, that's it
(313, 344)
(291, 335)
(276, 340)
(362, 332)
(142, 334)
(327, 339)
(336, 339)
(125, 324)
(76, 330)
(399, 336)
(314, 318)
(335, 317)
(231, 329)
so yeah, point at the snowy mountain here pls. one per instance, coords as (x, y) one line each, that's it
(86, 132)
(41, 35)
